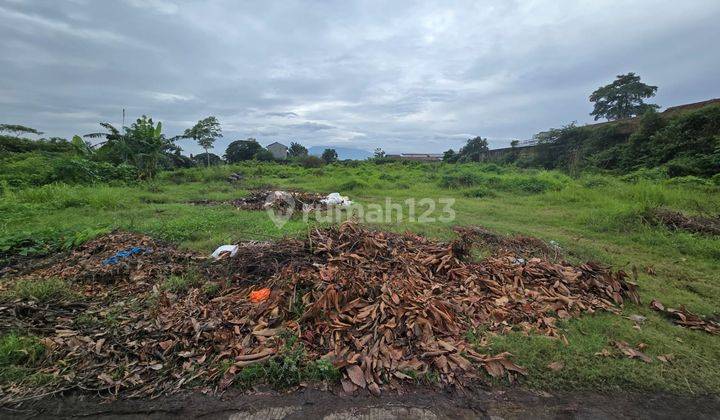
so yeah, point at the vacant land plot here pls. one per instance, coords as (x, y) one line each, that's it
(659, 233)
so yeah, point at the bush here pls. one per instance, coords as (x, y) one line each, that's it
(459, 180)
(479, 192)
(689, 181)
(353, 184)
(311, 162)
(36, 169)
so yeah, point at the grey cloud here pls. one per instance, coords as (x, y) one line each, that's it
(404, 76)
(282, 114)
(311, 126)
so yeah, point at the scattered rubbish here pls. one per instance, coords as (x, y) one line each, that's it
(281, 200)
(278, 198)
(375, 304)
(86, 263)
(687, 319)
(335, 199)
(225, 251)
(288, 201)
(120, 255)
(259, 295)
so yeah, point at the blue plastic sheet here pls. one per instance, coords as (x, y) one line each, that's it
(123, 254)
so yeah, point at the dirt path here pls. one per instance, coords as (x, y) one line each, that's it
(419, 404)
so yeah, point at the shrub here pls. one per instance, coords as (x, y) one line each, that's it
(459, 180)
(479, 192)
(311, 162)
(353, 184)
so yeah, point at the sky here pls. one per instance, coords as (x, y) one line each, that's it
(403, 76)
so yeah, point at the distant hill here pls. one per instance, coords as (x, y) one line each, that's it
(343, 152)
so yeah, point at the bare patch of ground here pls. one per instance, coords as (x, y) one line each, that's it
(417, 404)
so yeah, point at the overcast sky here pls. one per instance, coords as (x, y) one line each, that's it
(404, 76)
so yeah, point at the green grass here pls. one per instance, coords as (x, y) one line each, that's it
(288, 368)
(40, 290)
(19, 354)
(179, 284)
(591, 217)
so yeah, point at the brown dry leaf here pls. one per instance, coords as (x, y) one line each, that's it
(665, 358)
(348, 386)
(631, 352)
(356, 375)
(374, 389)
(604, 353)
(556, 366)
(377, 302)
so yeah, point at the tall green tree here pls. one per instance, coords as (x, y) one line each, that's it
(450, 156)
(329, 155)
(240, 150)
(142, 144)
(622, 98)
(297, 150)
(474, 149)
(205, 132)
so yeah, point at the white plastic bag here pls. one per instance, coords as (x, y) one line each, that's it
(335, 199)
(232, 249)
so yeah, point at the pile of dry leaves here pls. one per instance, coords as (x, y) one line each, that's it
(377, 305)
(674, 220)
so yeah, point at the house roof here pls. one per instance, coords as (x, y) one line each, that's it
(276, 143)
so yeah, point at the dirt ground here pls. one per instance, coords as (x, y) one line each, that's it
(416, 404)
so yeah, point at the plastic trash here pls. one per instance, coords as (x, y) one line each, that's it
(335, 199)
(221, 250)
(276, 197)
(259, 295)
(123, 254)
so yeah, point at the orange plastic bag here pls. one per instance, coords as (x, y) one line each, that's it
(259, 295)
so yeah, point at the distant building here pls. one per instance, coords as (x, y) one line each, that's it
(278, 150)
(422, 157)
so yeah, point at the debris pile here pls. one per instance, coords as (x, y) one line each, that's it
(687, 319)
(521, 246)
(121, 256)
(283, 201)
(379, 306)
(677, 221)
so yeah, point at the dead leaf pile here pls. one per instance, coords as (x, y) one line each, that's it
(687, 319)
(709, 225)
(380, 306)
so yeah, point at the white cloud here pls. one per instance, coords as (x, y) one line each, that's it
(170, 97)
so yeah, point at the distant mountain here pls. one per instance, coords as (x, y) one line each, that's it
(343, 152)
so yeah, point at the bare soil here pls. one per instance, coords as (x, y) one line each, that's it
(417, 404)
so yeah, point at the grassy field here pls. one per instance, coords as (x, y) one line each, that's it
(591, 217)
